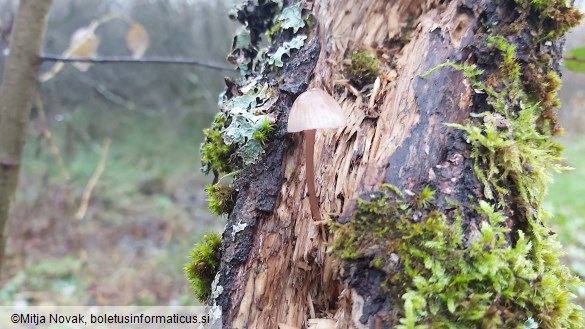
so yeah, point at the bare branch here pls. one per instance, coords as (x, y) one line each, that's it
(574, 59)
(93, 181)
(106, 93)
(46, 133)
(150, 60)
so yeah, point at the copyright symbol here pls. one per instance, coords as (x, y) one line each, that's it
(15, 318)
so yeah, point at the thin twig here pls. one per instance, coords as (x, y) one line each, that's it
(575, 59)
(46, 133)
(93, 181)
(113, 97)
(129, 60)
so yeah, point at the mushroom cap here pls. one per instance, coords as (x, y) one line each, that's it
(315, 109)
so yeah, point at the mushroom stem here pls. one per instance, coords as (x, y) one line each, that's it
(310, 170)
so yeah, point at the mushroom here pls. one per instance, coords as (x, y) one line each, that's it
(314, 109)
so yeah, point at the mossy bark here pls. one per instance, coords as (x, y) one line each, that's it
(277, 268)
(15, 93)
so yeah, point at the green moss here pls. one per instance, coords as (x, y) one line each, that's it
(378, 263)
(491, 276)
(445, 280)
(507, 144)
(549, 102)
(513, 155)
(205, 258)
(215, 153)
(262, 133)
(273, 30)
(424, 198)
(363, 68)
(555, 17)
(509, 68)
(221, 199)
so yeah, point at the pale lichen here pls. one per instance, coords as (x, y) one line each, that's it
(239, 227)
(243, 128)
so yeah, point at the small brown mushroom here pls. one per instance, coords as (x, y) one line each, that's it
(314, 109)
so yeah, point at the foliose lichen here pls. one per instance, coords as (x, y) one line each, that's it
(245, 124)
(295, 43)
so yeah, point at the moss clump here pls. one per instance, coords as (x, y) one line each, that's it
(555, 17)
(483, 280)
(205, 258)
(263, 132)
(513, 155)
(492, 276)
(363, 68)
(221, 199)
(215, 153)
(508, 144)
(273, 30)
(544, 89)
(424, 198)
(444, 279)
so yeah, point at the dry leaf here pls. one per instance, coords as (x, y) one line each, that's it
(50, 74)
(84, 43)
(137, 40)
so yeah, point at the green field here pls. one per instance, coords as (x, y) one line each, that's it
(145, 213)
(566, 201)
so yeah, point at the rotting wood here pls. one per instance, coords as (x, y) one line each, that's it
(395, 134)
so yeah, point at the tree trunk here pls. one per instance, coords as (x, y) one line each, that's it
(412, 198)
(15, 94)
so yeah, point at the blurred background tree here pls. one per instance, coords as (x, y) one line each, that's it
(148, 208)
(564, 198)
(573, 91)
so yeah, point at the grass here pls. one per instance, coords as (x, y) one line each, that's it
(566, 200)
(145, 214)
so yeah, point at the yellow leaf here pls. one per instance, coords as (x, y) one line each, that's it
(52, 72)
(137, 40)
(84, 43)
